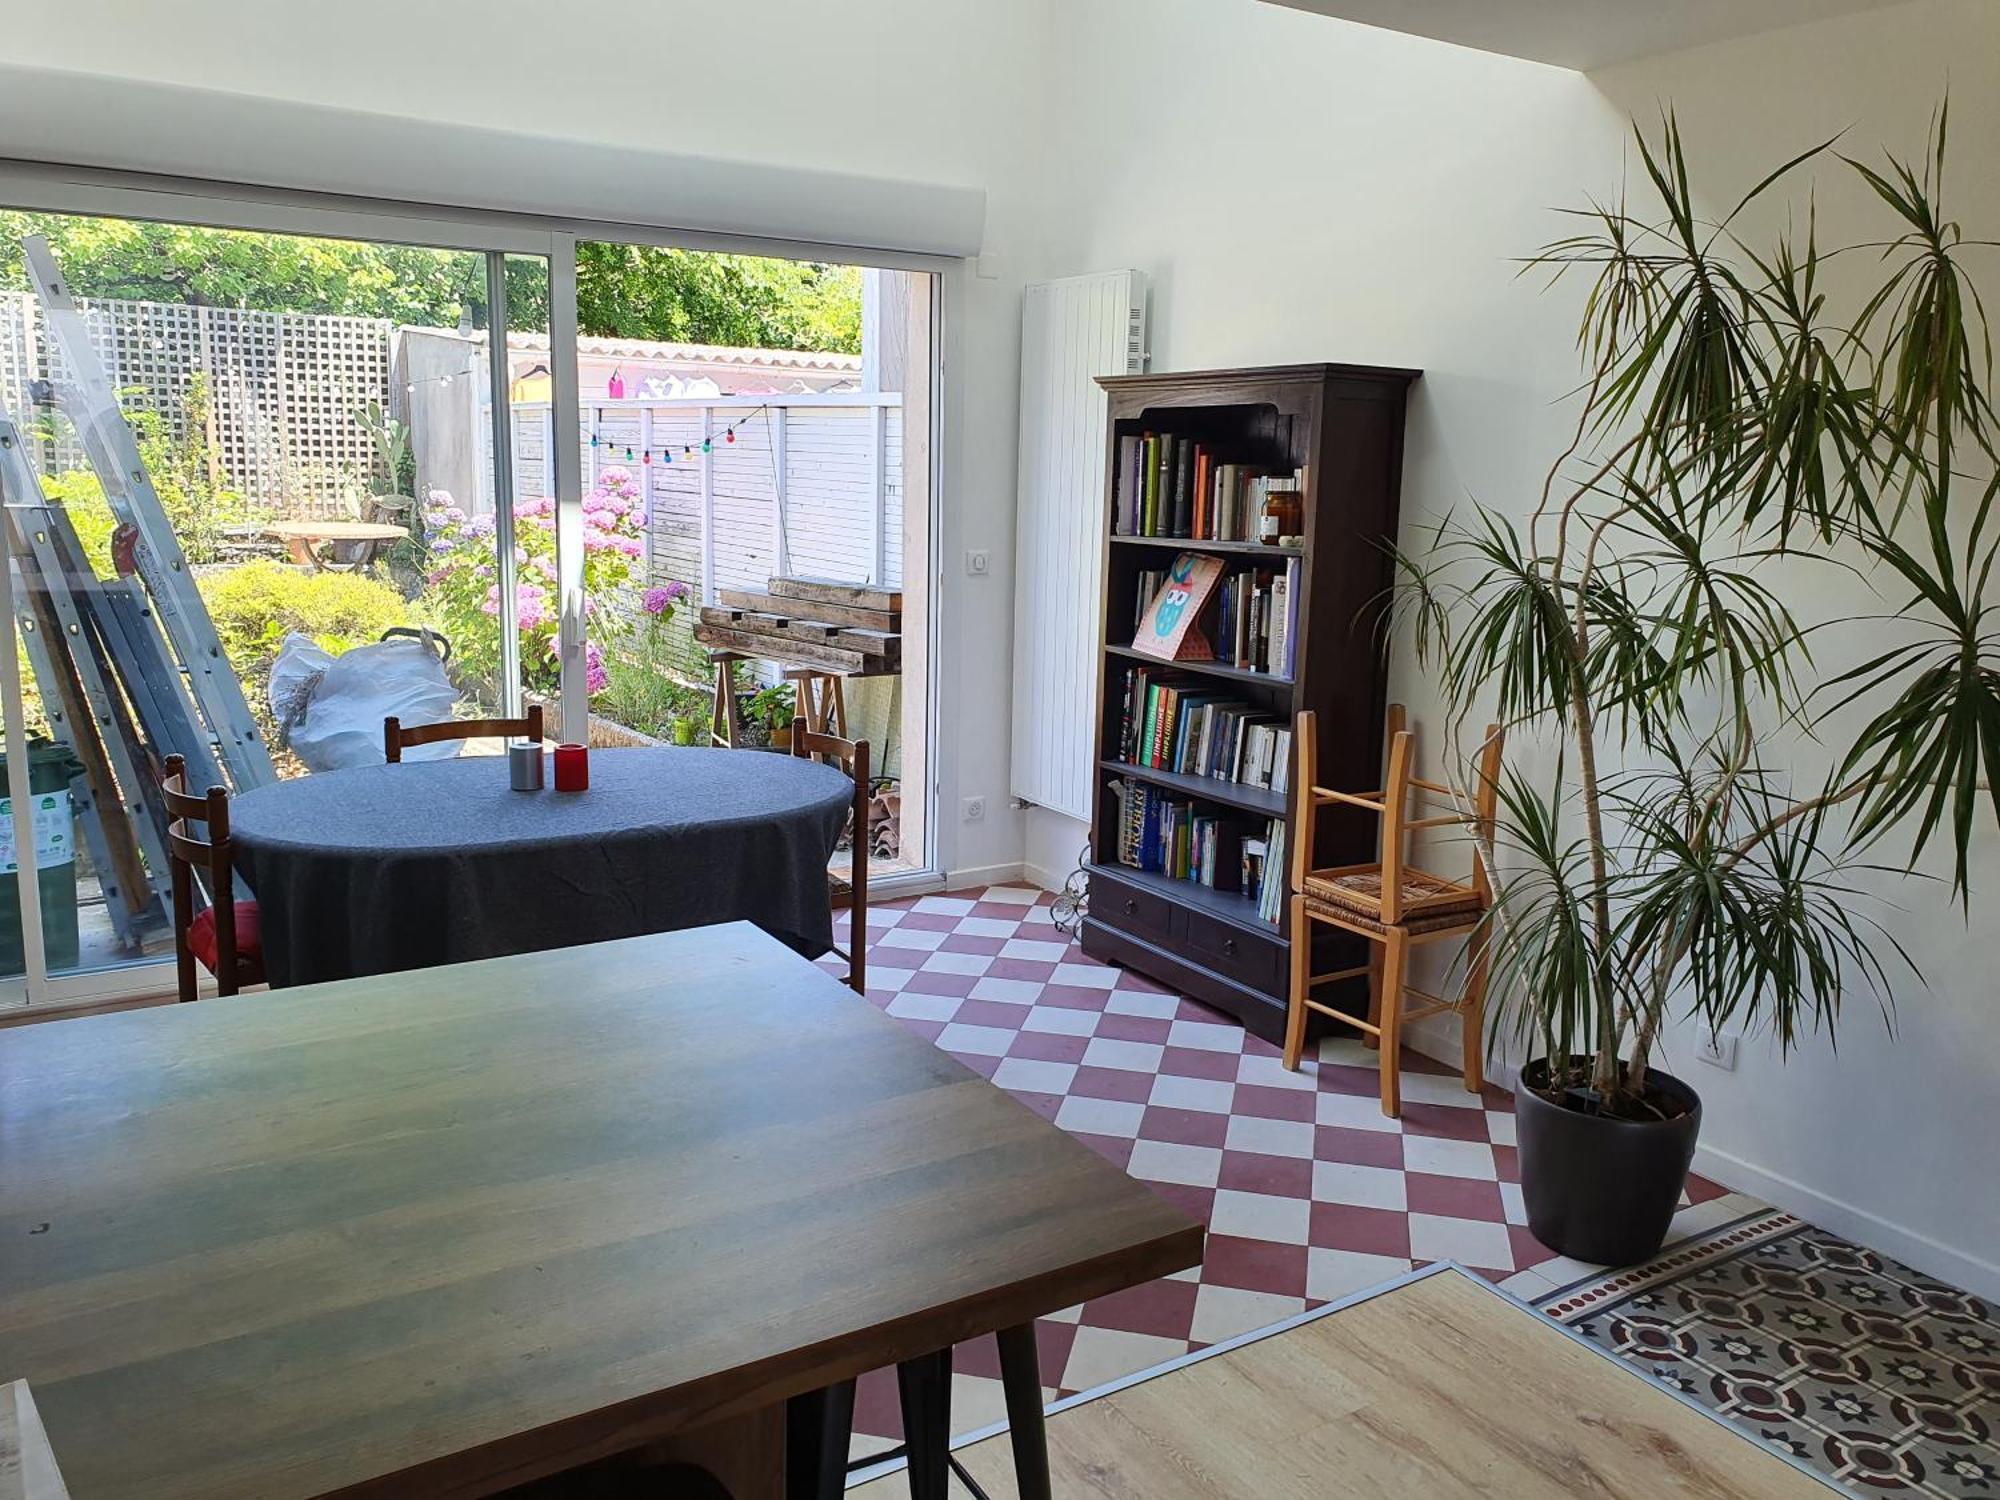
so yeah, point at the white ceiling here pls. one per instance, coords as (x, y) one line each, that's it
(1582, 34)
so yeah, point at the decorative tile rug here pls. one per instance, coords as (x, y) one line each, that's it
(1308, 1192)
(1873, 1373)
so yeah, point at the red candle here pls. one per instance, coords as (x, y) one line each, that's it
(572, 768)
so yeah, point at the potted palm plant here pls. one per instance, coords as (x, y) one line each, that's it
(1753, 408)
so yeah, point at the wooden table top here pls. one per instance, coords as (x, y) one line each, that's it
(1440, 1387)
(337, 531)
(445, 1231)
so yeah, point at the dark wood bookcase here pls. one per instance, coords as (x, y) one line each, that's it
(1343, 424)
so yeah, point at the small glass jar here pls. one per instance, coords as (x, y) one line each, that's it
(1283, 522)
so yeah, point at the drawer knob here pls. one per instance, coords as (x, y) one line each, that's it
(1229, 946)
(1131, 906)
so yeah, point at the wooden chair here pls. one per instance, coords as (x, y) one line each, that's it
(226, 937)
(395, 738)
(850, 893)
(1391, 904)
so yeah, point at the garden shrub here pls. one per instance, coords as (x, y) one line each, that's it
(463, 597)
(82, 498)
(255, 606)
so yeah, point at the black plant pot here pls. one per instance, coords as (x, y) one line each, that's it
(1599, 1189)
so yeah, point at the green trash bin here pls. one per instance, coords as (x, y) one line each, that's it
(50, 767)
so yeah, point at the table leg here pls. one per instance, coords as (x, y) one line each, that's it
(925, 1386)
(819, 1429)
(1021, 1382)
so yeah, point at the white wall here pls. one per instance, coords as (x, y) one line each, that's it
(1303, 189)
(924, 90)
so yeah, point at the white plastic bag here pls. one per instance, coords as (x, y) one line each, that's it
(331, 707)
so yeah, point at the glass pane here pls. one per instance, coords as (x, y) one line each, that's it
(452, 432)
(774, 417)
(254, 514)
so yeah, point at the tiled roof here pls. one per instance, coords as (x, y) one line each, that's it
(717, 354)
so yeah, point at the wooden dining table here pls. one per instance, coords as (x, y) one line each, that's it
(452, 1231)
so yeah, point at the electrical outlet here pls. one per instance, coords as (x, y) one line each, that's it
(978, 562)
(975, 809)
(1718, 1050)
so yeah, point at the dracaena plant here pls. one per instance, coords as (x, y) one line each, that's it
(1753, 406)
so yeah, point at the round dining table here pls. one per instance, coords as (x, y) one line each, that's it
(377, 869)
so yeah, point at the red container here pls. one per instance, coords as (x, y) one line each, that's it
(572, 768)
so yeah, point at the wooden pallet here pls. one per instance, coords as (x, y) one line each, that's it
(885, 646)
(855, 616)
(851, 629)
(846, 595)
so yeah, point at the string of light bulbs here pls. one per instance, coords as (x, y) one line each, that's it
(638, 453)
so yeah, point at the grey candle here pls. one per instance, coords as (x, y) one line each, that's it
(524, 766)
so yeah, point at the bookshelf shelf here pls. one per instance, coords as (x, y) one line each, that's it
(1253, 799)
(1204, 668)
(1190, 544)
(1340, 427)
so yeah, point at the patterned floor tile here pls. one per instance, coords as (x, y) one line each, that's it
(1870, 1372)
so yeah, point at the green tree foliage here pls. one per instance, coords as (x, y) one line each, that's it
(651, 292)
(626, 291)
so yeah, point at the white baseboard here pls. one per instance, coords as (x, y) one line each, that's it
(958, 880)
(1961, 1268)
(1048, 880)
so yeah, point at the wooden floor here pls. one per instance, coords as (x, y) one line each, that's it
(1439, 1388)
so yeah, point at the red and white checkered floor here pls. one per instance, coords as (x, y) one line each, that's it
(1309, 1193)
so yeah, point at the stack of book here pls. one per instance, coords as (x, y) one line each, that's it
(1173, 486)
(1171, 723)
(1253, 621)
(1168, 835)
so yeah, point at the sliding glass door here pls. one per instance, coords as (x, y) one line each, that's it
(270, 470)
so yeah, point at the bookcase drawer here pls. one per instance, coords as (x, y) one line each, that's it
(1136, 910)
(1231, 950)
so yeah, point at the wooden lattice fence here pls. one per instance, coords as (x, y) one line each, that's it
(284, 389)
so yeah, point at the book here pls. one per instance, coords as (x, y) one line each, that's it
(1124, 522)
(1184, 488)
(1280, 662)
(1169, 628)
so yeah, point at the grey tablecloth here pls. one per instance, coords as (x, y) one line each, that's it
(382, 868)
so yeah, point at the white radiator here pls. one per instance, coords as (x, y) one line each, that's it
(1072, 331)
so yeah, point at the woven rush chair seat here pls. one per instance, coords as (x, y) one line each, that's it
(1443, 919)
(1360, 892)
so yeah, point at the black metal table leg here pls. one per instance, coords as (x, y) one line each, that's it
(819, 1428)
(925, 1386)
(1021, 1381)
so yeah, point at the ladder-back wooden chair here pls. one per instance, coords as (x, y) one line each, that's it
(849, 893)
(396, 738)
(225, 937)
(1391, 904)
